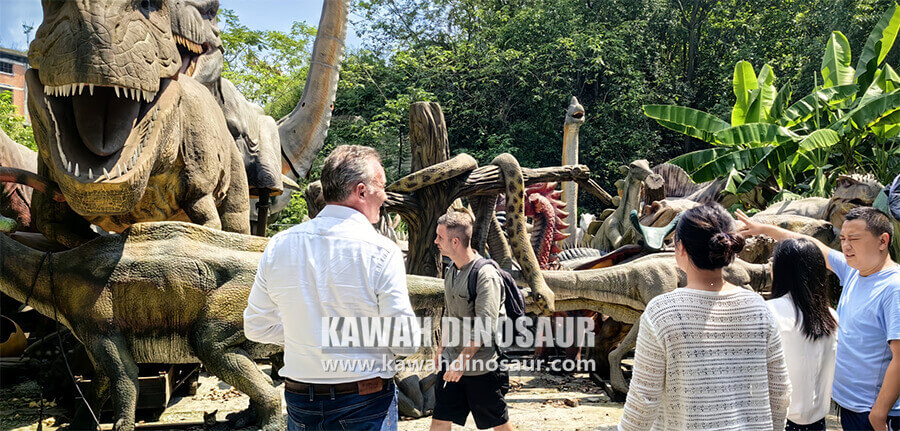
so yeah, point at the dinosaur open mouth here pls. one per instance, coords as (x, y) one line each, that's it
(190, 54)
(101, 131)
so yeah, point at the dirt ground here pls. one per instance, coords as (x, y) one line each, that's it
(537, 401)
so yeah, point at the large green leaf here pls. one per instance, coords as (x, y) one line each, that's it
(822, 138)
(880, 41)
(888, 126)
(686, 120)
(781, 99)
(836, 68)
(804, 108)
(744, 82)
(722, 165)
(694, 160)
(759, 109)
(872, 111)
(766, 165)
(755, 134)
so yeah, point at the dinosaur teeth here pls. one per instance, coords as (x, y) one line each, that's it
(119, 170)
(155, 113)
(117, 90)
(105, 173)
(69, 167)
(90, 174)
(91, 89)
(76, 169)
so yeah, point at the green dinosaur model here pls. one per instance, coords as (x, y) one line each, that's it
(122, 137)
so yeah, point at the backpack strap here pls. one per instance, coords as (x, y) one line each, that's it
(472, 282)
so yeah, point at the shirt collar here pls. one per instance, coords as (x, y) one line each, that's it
(344, 213)
(468, 265)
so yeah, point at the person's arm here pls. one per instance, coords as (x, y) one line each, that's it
(752, 228)
(262, 319)
(890, 387)
(648, 379)
(487, 306)
(779, 382)
(890, 391)
(393, 301)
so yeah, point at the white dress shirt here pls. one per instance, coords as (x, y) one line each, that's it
(334, 265)
(810, 363)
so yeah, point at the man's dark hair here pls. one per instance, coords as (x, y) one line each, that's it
(344, 168)
(877, 222)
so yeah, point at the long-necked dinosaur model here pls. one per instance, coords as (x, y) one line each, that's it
(574, 120)
(124, 140)
(612, 233)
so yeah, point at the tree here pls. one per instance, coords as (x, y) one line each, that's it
(14, 124)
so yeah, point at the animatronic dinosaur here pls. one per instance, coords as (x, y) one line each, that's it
(15, 199)
(196, 33)
(622, 292)
(574, 120)
(118, 306)
(301, 134)
(542, 204)
(124, 140)
(850, 191)
(614, 232)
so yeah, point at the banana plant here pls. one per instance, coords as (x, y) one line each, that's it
(771, 140)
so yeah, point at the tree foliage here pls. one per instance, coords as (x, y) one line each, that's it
(504, 70)
(14, 124)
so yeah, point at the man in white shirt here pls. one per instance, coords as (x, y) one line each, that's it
(334, 266)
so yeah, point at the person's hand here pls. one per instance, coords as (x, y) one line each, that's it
(455, 372)
(437, 359)
(750, 227)
(878, 420)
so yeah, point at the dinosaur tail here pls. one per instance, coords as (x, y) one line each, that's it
(30, 179)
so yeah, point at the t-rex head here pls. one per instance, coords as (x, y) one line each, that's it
(101, 72)
(196, 33)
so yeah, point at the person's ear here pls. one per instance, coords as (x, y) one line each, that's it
(885, 240)
(361, 190)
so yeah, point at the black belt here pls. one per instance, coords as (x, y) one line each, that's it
(361, 387)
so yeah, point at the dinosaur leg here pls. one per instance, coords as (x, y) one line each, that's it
(111, 357)
(96, 397)
(616, 378)
(235, 209)
(203, 212)
(218, 350)
(518, 238)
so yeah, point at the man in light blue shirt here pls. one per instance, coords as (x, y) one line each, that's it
(867, 368)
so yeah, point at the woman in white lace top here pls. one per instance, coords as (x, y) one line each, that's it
(709, 354)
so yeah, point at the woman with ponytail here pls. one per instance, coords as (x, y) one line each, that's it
(708, 354)
(808, 330)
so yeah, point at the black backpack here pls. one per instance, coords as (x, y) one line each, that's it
(514, 300)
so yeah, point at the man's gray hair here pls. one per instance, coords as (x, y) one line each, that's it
(459, 225)
(344, 168)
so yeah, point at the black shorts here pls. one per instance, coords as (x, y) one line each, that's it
(480, 395)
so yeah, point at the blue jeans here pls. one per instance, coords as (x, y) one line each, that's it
(375, 412)
(853, 421)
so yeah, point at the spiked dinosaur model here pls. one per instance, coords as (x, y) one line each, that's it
(543, 205)
(125, 140)
(574, 120)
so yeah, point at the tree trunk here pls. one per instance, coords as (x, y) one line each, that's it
(429, 144)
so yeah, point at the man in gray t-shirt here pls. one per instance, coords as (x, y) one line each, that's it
(470, 382)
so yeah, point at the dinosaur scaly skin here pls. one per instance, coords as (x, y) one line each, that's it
(547, 210)
(124, 140)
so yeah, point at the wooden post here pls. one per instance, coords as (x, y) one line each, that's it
(429, 144)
